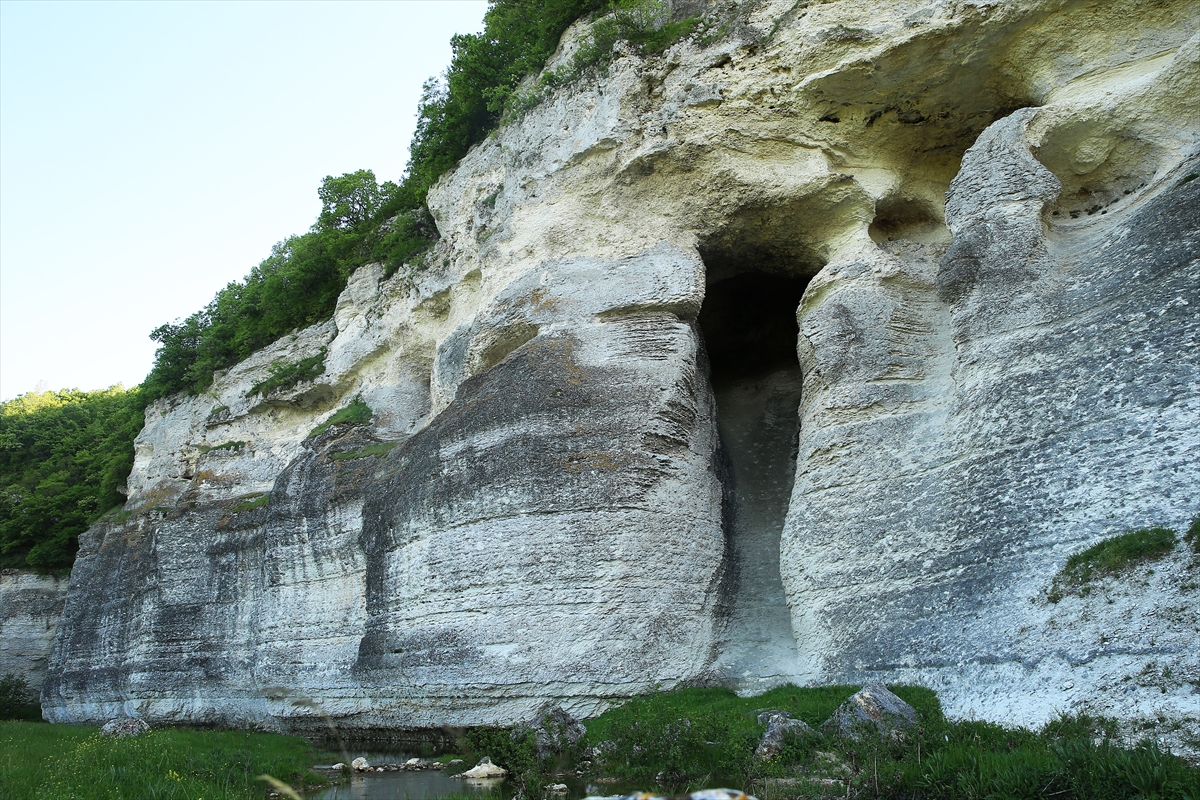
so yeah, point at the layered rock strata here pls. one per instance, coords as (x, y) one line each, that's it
(806, 350)
(31, 608)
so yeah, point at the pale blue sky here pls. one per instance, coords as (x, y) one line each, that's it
(150, 153)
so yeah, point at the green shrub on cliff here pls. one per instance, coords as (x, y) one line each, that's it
(1111, 557)
(1192, 537)
(357, 413)
(286, 374)
(63, 456)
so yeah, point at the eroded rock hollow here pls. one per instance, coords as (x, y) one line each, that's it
(807, 350)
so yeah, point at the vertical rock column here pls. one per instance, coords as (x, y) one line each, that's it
(556, 531)
(957, 445)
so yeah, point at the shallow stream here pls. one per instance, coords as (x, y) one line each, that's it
(427, 784)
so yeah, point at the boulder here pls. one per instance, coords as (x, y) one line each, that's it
(485, 769)
(874, 705)
(555, 730)
(123, 727)
(779, 725)
(706, 794)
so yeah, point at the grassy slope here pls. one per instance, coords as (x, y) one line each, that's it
(57, 762)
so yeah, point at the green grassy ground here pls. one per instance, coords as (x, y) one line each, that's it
(61, 762)
(694, 738)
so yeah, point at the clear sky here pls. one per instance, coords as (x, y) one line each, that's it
(150, 153)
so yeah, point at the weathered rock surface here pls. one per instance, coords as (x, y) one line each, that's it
(484, 770)
(124, 727)
(874, 706)
(554, 731)
(30, 610)
(806, 350)
(779, 725)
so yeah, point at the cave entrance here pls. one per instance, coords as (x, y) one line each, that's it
(748, 322)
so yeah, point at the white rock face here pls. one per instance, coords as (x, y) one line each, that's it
(1065, 384)
(30, 610)
(808, 351)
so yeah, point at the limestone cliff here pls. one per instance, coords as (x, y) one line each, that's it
(30, 610)
(807, 350)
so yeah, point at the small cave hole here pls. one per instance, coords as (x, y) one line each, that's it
(748, 322)
(905, 218)
(1097, 172)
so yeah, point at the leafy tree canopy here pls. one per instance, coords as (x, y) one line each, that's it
(63, 456)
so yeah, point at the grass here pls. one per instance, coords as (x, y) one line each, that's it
(696, 738)
(377, 449)
(286, 374)
(692, 738)
(1111, 557)
(58, 762)
(116, 515)
(357, 413)
(251, 502)
(673, 741)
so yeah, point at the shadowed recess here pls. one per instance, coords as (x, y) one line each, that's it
(749, 326)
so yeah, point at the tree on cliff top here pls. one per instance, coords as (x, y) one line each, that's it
(362, 221)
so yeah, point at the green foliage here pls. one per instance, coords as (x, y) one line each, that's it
(63, 456)
(61, 761)
(515, 749)
(17, 700)
(460, 109)
(1043, 765)
(251, 502)
(1111, 557)
(377, 449)
(403, 240)
(644, 24)
(1192, 537)
(695, 738)
(286, 374)
(357, 413)
(363, 221)
(296, 286)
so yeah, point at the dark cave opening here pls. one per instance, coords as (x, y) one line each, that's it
(748, 322)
